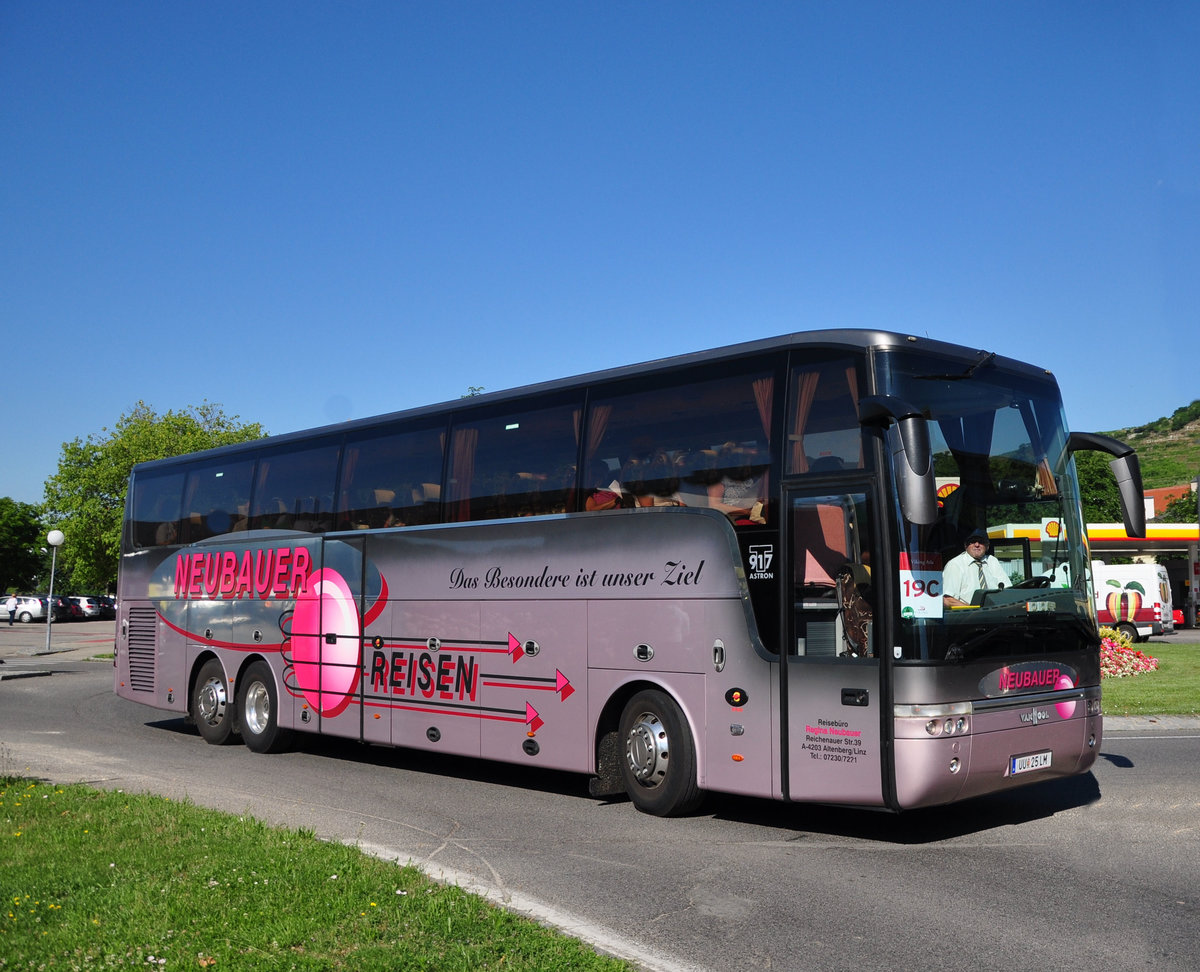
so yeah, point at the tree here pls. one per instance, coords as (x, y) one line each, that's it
(1098, 490)
(86, 497)
(1182, 509)
(21, 539)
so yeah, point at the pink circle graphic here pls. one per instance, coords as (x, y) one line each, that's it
(1065, 709)
(327, 669)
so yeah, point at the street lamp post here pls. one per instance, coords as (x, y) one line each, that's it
(55, 538)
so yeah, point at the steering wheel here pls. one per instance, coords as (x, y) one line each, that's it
(1034, 582)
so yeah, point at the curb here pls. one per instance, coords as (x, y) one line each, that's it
(1156, 723)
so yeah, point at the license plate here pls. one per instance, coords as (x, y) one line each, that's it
(1028, 763)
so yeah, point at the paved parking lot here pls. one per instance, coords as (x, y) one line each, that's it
(79, 638)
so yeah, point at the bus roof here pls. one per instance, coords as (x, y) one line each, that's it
(848, 338)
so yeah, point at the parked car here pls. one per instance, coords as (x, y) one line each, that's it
(108, 607)
(90, 606)
(66, 610)
(31, 607)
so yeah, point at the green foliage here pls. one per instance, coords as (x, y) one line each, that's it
(21, 540)
(86, 497)
(1168, 448)
(1182, 509)
(1098, 492)
(1184, 415)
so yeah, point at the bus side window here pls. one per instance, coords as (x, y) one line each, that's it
(508, 464)
(215, 497)
(391, 479)
(702, 440)
(824, 434)
(156, 501)
(296, 486)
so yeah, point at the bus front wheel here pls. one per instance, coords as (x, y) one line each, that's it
(258, 710)
(211, 707)
(659, 758)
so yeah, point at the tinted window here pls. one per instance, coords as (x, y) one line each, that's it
(155, 512)
(699, 441)
(391, 479)
(822, 418)
(216, 498)
(294, 489)
(513, 463)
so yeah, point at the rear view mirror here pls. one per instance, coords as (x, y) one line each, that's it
(1126, 469)
(912, 455)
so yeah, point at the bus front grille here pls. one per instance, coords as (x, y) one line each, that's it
(143, 627)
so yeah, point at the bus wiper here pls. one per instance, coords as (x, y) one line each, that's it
(969, 373)
(958, 652)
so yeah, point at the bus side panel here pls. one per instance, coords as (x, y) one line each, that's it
(740, 742)
(429, 653)
(650, 635)
(535, 692)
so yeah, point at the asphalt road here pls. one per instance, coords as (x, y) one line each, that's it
(1100, 871)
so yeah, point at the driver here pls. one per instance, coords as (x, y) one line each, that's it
(972, 570)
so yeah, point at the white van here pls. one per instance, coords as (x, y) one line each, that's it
(1135, 599)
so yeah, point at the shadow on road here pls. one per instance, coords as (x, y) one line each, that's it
(1036, 801)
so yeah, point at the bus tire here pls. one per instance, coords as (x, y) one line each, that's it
(658, 759)
(1129, 631)
(258, 711)
(211, 707)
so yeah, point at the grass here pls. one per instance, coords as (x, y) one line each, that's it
(95, 879)
(1174, 689)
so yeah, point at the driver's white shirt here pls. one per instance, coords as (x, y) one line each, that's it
(961, 577)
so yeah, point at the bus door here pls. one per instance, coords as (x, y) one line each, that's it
(324, 648)
(832, 691)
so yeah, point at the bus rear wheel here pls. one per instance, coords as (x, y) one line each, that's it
(258, 711)
(659, 758)
(211, 707)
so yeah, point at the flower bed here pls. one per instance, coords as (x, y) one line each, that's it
(1119, 659)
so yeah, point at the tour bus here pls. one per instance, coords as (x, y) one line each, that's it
(715, 572)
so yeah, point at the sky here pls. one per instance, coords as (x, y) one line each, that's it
(310, 212)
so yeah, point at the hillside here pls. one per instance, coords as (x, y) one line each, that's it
(1169, 448)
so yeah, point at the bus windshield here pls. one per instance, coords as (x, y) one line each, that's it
(1003, 569)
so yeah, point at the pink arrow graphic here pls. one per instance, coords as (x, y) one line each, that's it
(532, 719)
(562, 685)
(514, 648)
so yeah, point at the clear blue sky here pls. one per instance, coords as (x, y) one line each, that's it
(308, 212)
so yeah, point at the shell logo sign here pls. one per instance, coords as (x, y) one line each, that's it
(1052, 529)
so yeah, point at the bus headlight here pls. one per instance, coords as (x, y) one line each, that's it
(941, 719)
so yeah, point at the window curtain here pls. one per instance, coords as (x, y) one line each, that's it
(462, 473)
(806, 391)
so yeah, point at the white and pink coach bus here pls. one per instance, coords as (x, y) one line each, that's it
(717, 572)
